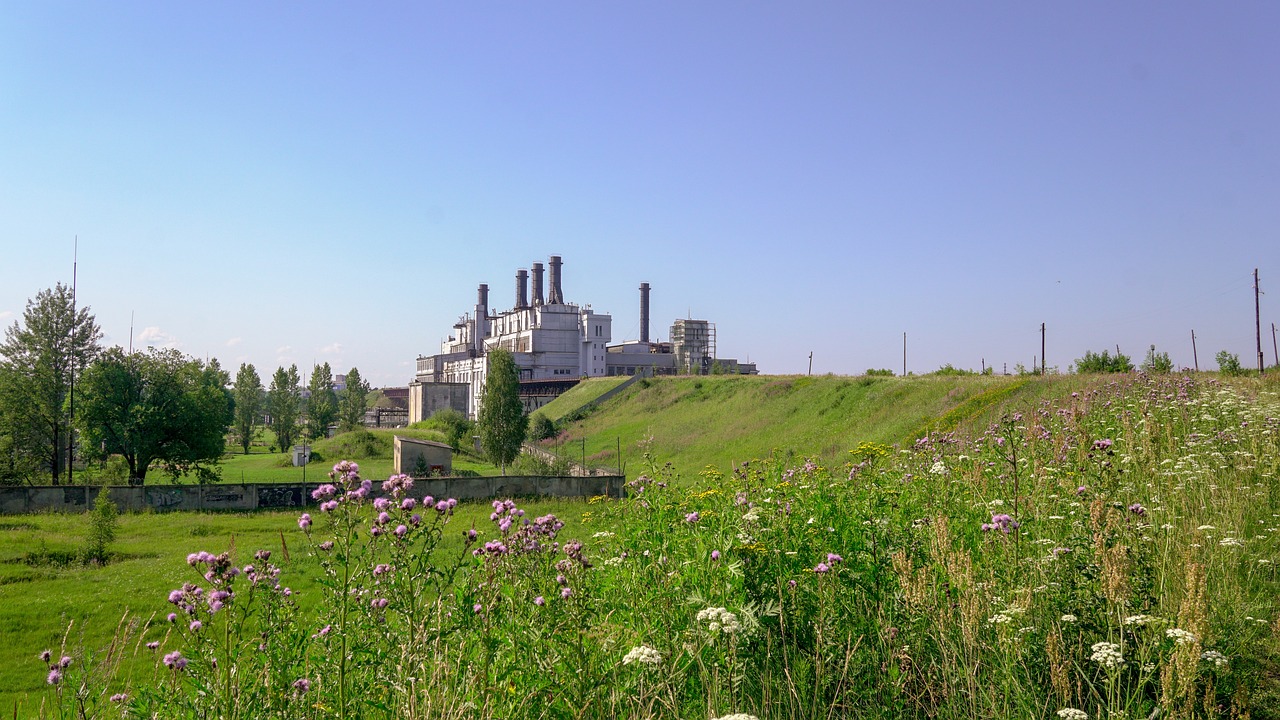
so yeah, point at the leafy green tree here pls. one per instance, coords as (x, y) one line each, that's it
(1229, 363)
(38, 359)
(1157, 362)
(1104, 363)
(157, 407)
(284, 404)
(541, 427)
(102, 529)
(322, 406)
(501, 418)
(353, 401)
(248, 397)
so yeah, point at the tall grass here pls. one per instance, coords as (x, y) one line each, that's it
(1110, 554)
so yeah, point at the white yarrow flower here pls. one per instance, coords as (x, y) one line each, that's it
(1107, 655)
(1180, 636)
(1073, 714)
(1215, 657)
(644, 655)
(720, 620)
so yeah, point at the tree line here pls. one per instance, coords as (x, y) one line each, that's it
(63, 397)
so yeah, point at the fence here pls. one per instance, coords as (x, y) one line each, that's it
(269, 496)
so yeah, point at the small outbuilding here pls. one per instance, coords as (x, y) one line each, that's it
(422, 457)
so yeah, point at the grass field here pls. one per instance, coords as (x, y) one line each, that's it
(579, 395)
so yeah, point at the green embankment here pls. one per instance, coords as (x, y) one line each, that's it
(694, 422)
(579, 395)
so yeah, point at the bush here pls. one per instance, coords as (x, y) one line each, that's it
(1157, 362)
(102, 529)
(949, 369)
(541, 427)
(882, 372)
(1104, 363)
(1229, 363)
(452, 423)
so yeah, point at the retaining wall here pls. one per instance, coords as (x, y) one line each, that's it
(267, 496)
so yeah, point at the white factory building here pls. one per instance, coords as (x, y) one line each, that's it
(555, 344)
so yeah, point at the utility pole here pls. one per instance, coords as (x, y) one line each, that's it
(1044, 370)
(984, 366)
(904, 354)
(1194, 356)
(1257, 318)
(1274, 355)
(810, 362)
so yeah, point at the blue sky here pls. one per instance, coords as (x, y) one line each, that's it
(309, 182)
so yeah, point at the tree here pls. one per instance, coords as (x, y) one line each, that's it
(1157, 362)
(501, 418)
(284, 404)
(1229, 363)
(353, 402)
(322, 406)
(38, 360)
(157, 407)
(1104, 363)
(248, 397)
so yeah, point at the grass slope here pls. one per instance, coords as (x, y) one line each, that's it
(579, 395)
(721, 420)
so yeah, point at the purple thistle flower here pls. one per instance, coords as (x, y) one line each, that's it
(692, 517)
(414, 519)
(408, 504)
(329, 506)
(304, 522)
(64, 662)
(565, 592)
(381, 504)
(119, 697)
(1137, 509)
(401, 530)
(834, 558)
(55, 677)
(173, 617)
(327, 545)
(153, 645)
(539, 601)
(195, 625)
(477, 608)
(715, 555)
(383, 518)
(44, 656)
(821, 568)
(302, 685)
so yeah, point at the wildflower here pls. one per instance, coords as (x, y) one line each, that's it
(195, 625)
(327, 545)
(55, 676)
(1081, 490)
(1107, 655)
(692, 517)
(383, 518)
(539, 601)
(1069, 618)
(401, 530)
(821, 568)
(324, 491)
(999, 619)
(565, 592)
(1137, 509)
(153, 645)
(642, 654)
(737, 716)
(1104, 444)
(329, 506)
(44, 656)
(323, 631)
(119, 697)
(175, 661)
(304, 522)
(1002, 522)
(173, 617)
(1141, 620)
(65, 662)
(477, 608)
(381, 504)
(834, 558)
(938, 468)
(1215, 657)
(1180, 636)
(720, 620)
(302, 685)
(715, 555)
(408, 504)
(1073, 714)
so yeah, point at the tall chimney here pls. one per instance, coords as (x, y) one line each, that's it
(644, 312)
(522, 289)
(537, 283)
(482, 316)
(557, 289)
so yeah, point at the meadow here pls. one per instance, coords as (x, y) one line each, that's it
(1106, 552)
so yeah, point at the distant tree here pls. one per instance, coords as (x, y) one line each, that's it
(1229, 363)
(248, 397)
(284, 404)
(322, 406)
(882, 372)
(157, 407)
(541, 427)
(37, 360)
(102, 529)
(1104, 362)
(501, 418)
(1157, 362)
(353, 401)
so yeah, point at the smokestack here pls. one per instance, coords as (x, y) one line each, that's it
(522, 288)
(557, 289)
(482, 316)
(644, 312)
(537, 283)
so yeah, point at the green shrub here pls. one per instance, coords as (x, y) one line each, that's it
(950, 369)
(541, 427)
(882, 372)
(1157, 362)
(102, 529)
(1103, 362)
(1229, 363)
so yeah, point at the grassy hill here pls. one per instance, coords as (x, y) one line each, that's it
(721, 420)
(579, 395)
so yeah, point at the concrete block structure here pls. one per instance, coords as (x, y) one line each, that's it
(421, 457)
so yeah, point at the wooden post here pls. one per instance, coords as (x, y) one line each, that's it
(1194, 356)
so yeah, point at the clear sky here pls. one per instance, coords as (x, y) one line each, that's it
(304, 182)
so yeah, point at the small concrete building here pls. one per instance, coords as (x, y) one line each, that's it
(421, 457)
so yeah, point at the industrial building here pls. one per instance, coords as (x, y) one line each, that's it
(555, 344)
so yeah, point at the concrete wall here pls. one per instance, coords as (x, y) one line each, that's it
(428, 398)
(267, 496)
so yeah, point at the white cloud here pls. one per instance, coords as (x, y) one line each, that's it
(234, 341)
(284, 349)
(153, 336)
(333, 349)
